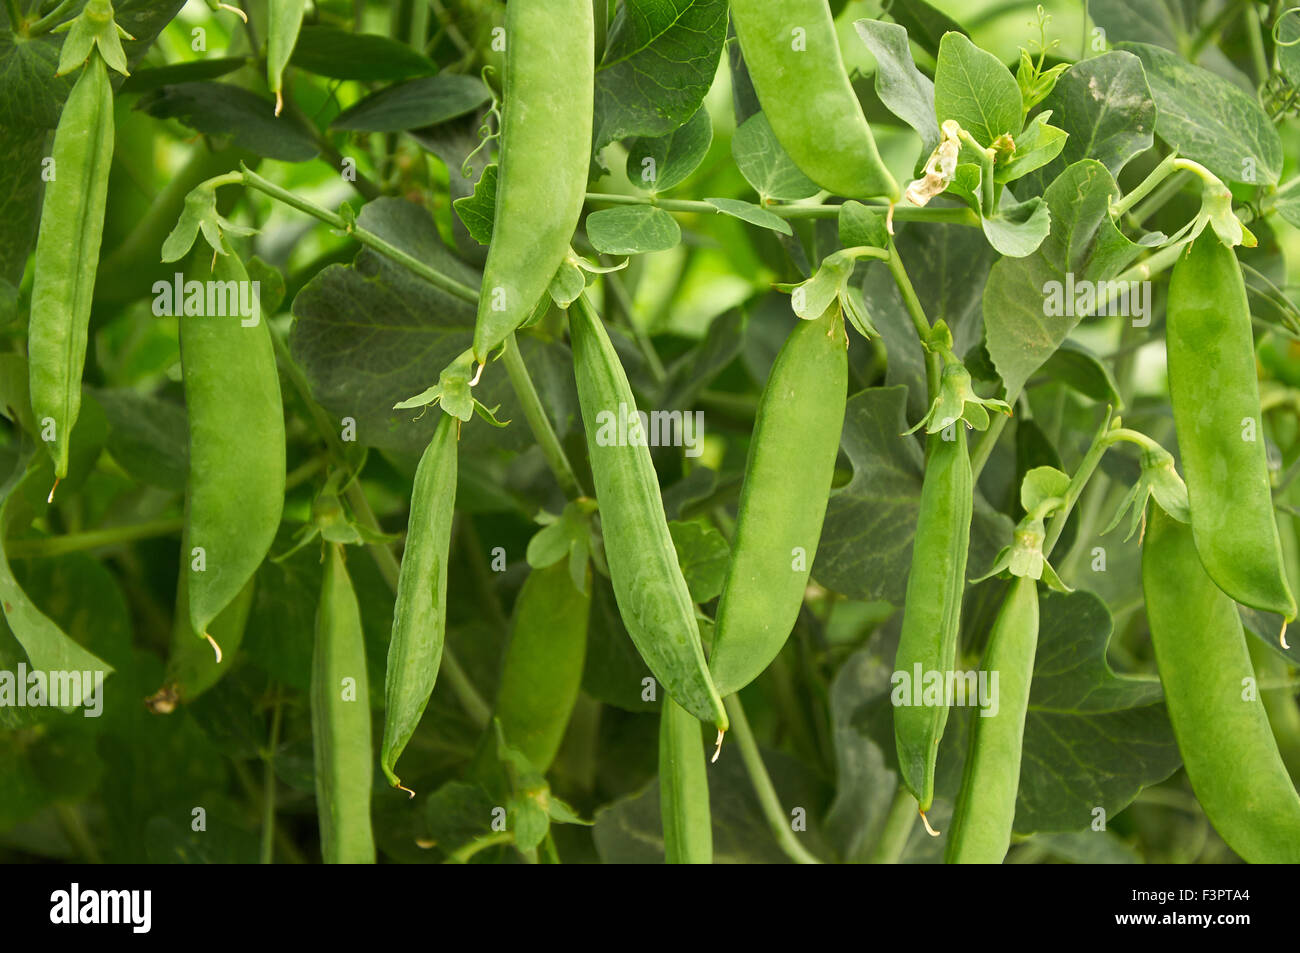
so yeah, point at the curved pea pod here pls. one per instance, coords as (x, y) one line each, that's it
(236, 420)
(420, 614)
(1222, 730)
(980, 832)
(932, 612)
(794, 61)
(192, 668)
(545, 156)
(648, 584)
(340, 720)
(799, 419)
(543, 668)
(67, 256)
(283, 21)
(1215, 396)
(683, 788)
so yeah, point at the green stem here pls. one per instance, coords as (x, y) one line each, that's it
(463, 854)
(1255, 40)
(540, 424)
(897, 830)
(1211, 30)
(1143, 188)
(268, 788)
(369, 190)
(914, 310)
(1077, 482)
(45, 23)
(442, 282)
(92, 539)
(758, 776)
(984, 449)
(74, 828)
(624, 300)
(1157, 199)
(902, 213)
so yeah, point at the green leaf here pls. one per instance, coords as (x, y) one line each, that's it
(906, 91)
(1078, 368)
(862, 225)
(145, 80)
(765, 165)
(974, 88)
(220, 109)
(659, 163)
(416, 104)
(341, 54)
(1017, 230)
(754, 214)
(1210, 120)
(632, 230)
(1036, 146)
(477, 212)
(703, 555)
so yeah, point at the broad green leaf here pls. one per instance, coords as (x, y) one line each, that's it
(765, 165)
(477, 212)
(415, 104)
(659, 163)
(1017, 230)
(973, 87)
(1079, 369)
(632, 230)
(703, 555)
(220, 109)
(906, 91)
(341, 54)
(754, 214)
(1038, 144)
(144, 80)
(926, 26)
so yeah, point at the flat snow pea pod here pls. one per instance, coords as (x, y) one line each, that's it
(932, 612)
(236, 421)
(191, 666)
(1215, 396)
(67, 256)
(1219, 721)
(649, 587)
(283, 21)
(683, 788)
(800, 416)
(420, 614)
(793, 57)
(543, 666)
(980, 832)
(340, 720)
(545, 155)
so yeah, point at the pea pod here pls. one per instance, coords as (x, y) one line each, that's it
(191, 666)
(986, 808)
(67, 256)
(793, 57)
(236, 421)
(545, 155)
(543, 665)
(283, 21)
(652, 596)
(800, 417)
(420, 614)
(683, 788)
(1215, 396)
(1221, 727)
(932, 612)
(340, 720)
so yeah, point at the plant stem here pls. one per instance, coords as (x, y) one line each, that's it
(93, 539)
(984, 449)
(444, 283)
(1255, 40)
(758, 776)
(1143, 188)
(897, 829)
(902, 213)
(617, 289)
(463, 854)
(914, 310)
(1077, 482)
(540, 424)
(74, 828)
(45, 23)
(1211, 30)
(268, 788)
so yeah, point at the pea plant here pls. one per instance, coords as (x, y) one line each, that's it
(455, 431)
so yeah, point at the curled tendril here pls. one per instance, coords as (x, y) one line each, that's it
(1278, 23)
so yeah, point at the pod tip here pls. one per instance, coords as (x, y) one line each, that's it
(215, 647)
(926, 821)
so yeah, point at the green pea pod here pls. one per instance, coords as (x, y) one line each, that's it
(543, 666)
(683, 788)
(1215, 396)
(340, 720)
(545, 155)
(1219, 722)
(986, 808)
(192, 668)
(800, 417)
(793, 57)
(236, 421)
(420, 614)
(67, 255)
(652, 596)
(932, 614)
(283, 21)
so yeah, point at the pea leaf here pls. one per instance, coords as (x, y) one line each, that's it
(754, 214)
(427, 101)
(659, 163)
(632, 230)
(477, 211)
(906, 91)
(703, 555)
(1036, 146)
(973, 87)
(765, 165)
(1210, 120)
(1017, 230)
(220, 109)
(342, 54)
